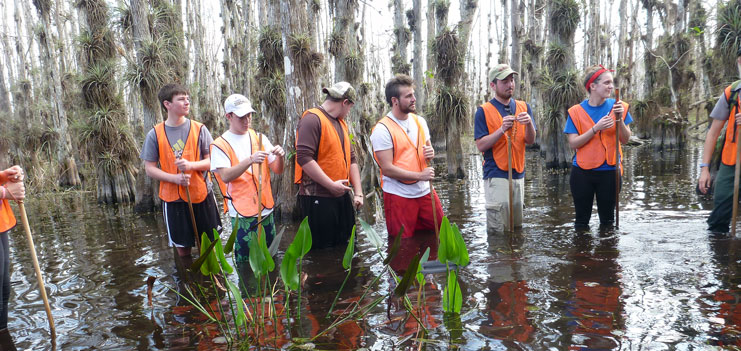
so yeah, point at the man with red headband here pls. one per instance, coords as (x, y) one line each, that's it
(590, 127)
(726, 109)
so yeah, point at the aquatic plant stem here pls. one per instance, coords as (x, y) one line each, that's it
(349, 271)
(39, 278)
(618, 162)
(736, 179)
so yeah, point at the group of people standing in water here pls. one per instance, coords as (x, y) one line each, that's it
(181, 153)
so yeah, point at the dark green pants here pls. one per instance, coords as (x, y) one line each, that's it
(720, 218)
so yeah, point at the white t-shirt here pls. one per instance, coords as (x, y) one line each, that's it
(381, 140)
(243, 148)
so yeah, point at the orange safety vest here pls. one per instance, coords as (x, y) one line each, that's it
(406, 155)
(729, 148)
(601, 147)
(7, 219)
(170, 191)
(499, 150)
(332, 159)
(242, 191)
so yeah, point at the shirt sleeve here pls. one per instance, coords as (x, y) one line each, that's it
(721, 109)
(570, 128)
(381, 138)
(219, 159)
(426, 129)
(628, 119)
(204, 141)
(308, 133)
(150, 150)
(480, 129)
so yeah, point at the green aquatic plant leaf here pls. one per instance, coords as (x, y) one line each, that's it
(263, 241)
(461, 250)
(198, 264)
(452, 296)
(210, 265)
(371, 235)
(395, 247)
(446, 249)
(240, 317)
(349, 251)
(300, 245)
(302, 241)
(220, 255)
(232, 238)
(409, 274)
(258, 263)
(289, 272)
(420, 276)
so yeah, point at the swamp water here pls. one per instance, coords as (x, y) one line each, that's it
(659, 282)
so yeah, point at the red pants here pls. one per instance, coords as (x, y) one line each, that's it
(414, 214)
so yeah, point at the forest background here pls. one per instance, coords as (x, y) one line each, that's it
(79, 79)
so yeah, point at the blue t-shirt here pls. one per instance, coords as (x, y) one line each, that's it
(480, 130)
(595, 113)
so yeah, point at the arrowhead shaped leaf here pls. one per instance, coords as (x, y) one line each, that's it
(371, 235)
(349, 251)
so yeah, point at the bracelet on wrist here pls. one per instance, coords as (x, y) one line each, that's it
(593, 131)
(704, 165)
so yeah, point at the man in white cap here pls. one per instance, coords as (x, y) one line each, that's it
(238, 159)
(326, 167)
(493, 126)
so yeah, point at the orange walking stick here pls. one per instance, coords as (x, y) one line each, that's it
(618, 161)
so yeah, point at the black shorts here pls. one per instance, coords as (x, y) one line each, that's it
(180, 227)
(330, 218)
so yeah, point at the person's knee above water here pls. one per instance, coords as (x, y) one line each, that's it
(326, 168)
(497, 123)
(590, 128)
(176, 152)
(725, 110)
(402, 149)
(238, 159)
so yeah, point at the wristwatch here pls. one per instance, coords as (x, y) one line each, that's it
(704, 165)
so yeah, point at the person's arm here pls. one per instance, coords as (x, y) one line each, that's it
(487, 142)
(337, 187)
(526, 119)
(619, 109)
(228, 174)
(707, 153)
(278, 163)
(154, 172)
(357, 186)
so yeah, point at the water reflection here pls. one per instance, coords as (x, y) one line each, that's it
(658, 282)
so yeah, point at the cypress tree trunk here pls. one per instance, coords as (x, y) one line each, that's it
(518, 31)
(301, 64)
(562, 87)
(415, 25)
(109, 142)
(504, 45)
(399, 59)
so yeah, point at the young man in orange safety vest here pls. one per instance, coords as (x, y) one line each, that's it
(402, 149)
(726, 109)
(495, 122)
(238, 158)
(326, 168)
(176, 152)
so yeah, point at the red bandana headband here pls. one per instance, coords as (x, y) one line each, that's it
(596, 75)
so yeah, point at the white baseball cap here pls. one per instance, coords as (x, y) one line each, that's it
(239, 104)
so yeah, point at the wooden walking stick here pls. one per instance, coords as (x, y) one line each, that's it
(259, 190)
(512, 134)
(434, 208)
(617, 162)
(192, 215)
(39, 278)
(736, 179)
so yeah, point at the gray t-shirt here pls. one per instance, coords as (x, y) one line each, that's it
(722, 110)
(177, 137)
